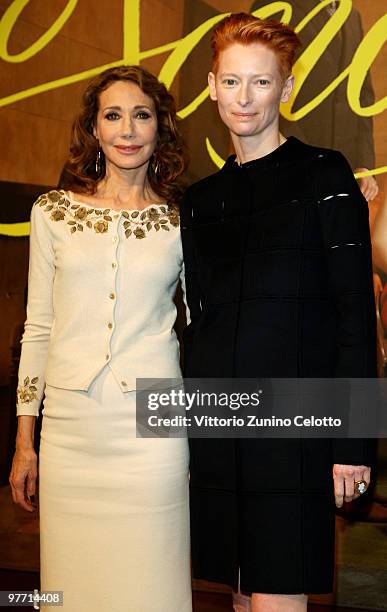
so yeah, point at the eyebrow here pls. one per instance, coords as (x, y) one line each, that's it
(232, 74)
(137, 107)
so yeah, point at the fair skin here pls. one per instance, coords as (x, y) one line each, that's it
(368, 185)
(127, 131)
(248, 88)
(379, 235)
(25, 465)
(248, 97)
(267, 96)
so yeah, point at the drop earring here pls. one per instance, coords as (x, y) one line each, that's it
(98, 163)
(155, 165)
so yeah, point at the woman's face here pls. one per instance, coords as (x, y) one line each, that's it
(249, 88)
(126, 125)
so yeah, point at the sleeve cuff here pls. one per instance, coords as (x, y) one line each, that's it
(29, 396)
(28, 409)
(356, 451)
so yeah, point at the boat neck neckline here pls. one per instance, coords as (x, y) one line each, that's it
(70, 197)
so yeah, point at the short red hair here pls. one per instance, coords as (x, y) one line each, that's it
(245, 29)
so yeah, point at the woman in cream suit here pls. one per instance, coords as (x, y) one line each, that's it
(105, 261)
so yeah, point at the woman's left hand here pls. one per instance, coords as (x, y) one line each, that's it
(344, 479)
(368, 185)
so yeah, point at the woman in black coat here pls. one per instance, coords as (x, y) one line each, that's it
(278, 273)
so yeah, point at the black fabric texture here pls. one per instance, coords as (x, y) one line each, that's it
(279, 284)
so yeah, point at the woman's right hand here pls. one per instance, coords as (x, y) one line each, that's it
(23, 477)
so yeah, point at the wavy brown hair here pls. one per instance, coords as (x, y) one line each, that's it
(169, 159)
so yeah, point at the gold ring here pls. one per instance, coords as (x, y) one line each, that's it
(361, 487)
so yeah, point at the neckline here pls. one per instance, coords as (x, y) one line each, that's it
(68, 195)
(272, 157)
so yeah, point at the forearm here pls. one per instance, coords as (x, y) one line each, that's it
(31, 383)
(345, 230)
(25, 465)
(346, 236)
(40, 316)
(25, 432)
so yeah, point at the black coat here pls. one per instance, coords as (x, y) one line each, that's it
(279, 284)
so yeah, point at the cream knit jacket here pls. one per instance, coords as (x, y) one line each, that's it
(100, 293)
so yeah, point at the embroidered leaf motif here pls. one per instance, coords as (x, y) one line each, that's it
(153, 214)
(34, 380)
(128, 232)
(26, 381)
(54, 196)
(81, 214)
(57, 215)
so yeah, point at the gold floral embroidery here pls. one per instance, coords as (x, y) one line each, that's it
(101, 226)
(151, 218)
(137, 223)
(26, 393)
(57, 215)
(81, 213)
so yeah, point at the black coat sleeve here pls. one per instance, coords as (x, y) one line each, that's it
(343, 215)
(193, 294)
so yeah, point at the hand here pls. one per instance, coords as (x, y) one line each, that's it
(23, 477)
(344, 478)
(368, 185)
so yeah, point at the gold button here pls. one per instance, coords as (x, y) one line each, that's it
(114, 265)
(110, 325)
(123, 383)
(112, 296)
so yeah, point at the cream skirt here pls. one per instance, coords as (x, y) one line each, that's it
(113, 508)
